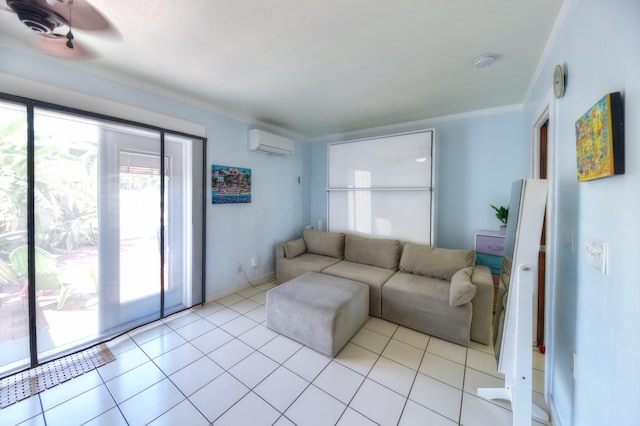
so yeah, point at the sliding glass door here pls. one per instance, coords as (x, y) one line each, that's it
(183, 236)
(129, 225)
(131, 175)
(14, 312)
(116, 209)
(65, 231)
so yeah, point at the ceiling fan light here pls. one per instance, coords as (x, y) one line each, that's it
(35, 18)
(484, 60)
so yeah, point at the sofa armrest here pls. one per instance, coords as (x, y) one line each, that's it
(482, 305)
(280, 251)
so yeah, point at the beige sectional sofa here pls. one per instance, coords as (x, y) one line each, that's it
(438, 291)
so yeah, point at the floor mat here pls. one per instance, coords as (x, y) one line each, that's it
(30, 382)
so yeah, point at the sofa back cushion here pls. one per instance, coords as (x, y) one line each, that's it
(372, 251)
(294, 248)
(324, 243)
(434, 262)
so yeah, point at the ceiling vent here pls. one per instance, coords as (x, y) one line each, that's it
(268, 143)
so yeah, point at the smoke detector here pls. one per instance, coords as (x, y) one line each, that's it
(484, 60)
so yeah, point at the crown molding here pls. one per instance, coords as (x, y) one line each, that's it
(553, 36)
(415, 125)
(151, 88)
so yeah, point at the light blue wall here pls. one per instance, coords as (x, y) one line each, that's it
(596, 314)
(318, 184)
(477, 158)
(235, 233)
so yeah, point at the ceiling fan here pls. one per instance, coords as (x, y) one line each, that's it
(53, 21)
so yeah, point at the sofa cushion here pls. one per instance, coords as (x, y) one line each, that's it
(289, 268)
(372, 251)
(434, 262)
(422, 303)
(324, 243)
(461, 290)
(373, 276)
(295, 248)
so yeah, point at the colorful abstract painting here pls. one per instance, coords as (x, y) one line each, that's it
(230, 185)
(600, 139)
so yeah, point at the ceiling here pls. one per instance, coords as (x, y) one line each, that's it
(318, 68)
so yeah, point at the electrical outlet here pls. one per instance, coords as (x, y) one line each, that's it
(255, 261)
(238, 267)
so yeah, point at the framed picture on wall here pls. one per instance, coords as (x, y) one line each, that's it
(600, 139)
(230, 185)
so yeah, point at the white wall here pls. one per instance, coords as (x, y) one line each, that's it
(478, 156)
(235, 233)
(596, 314)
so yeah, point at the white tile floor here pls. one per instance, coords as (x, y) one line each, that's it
(219, 364)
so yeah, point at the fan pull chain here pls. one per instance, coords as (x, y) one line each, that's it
(70, 34)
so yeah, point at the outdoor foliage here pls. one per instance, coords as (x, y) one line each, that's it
(64, 191)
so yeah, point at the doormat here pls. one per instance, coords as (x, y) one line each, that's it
(35, 380)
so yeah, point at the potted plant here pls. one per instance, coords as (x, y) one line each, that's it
(502, 214)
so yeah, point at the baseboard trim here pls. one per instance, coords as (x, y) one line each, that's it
(555, 419)
(239, 287)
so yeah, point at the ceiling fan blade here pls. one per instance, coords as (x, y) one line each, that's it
(57, 46)
(84, 15)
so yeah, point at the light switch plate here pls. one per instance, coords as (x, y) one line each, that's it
(595, 253)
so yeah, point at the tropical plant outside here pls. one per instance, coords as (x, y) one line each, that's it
(66, 217)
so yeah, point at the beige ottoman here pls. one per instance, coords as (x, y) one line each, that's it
(320, 311)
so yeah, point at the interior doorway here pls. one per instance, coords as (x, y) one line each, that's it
(542, 173)
(542, 168)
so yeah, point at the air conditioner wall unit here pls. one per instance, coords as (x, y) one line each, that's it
(268, 143)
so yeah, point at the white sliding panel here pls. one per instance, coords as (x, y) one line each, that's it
(382, 187)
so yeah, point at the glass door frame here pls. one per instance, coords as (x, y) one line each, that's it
(30, 106)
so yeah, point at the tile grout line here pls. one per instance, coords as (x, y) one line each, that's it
(203, 356)
(369, 372)
(415, 376)
(251, 390)
(166, 376)
(464, 378)
(138, 345)
(254, 349)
